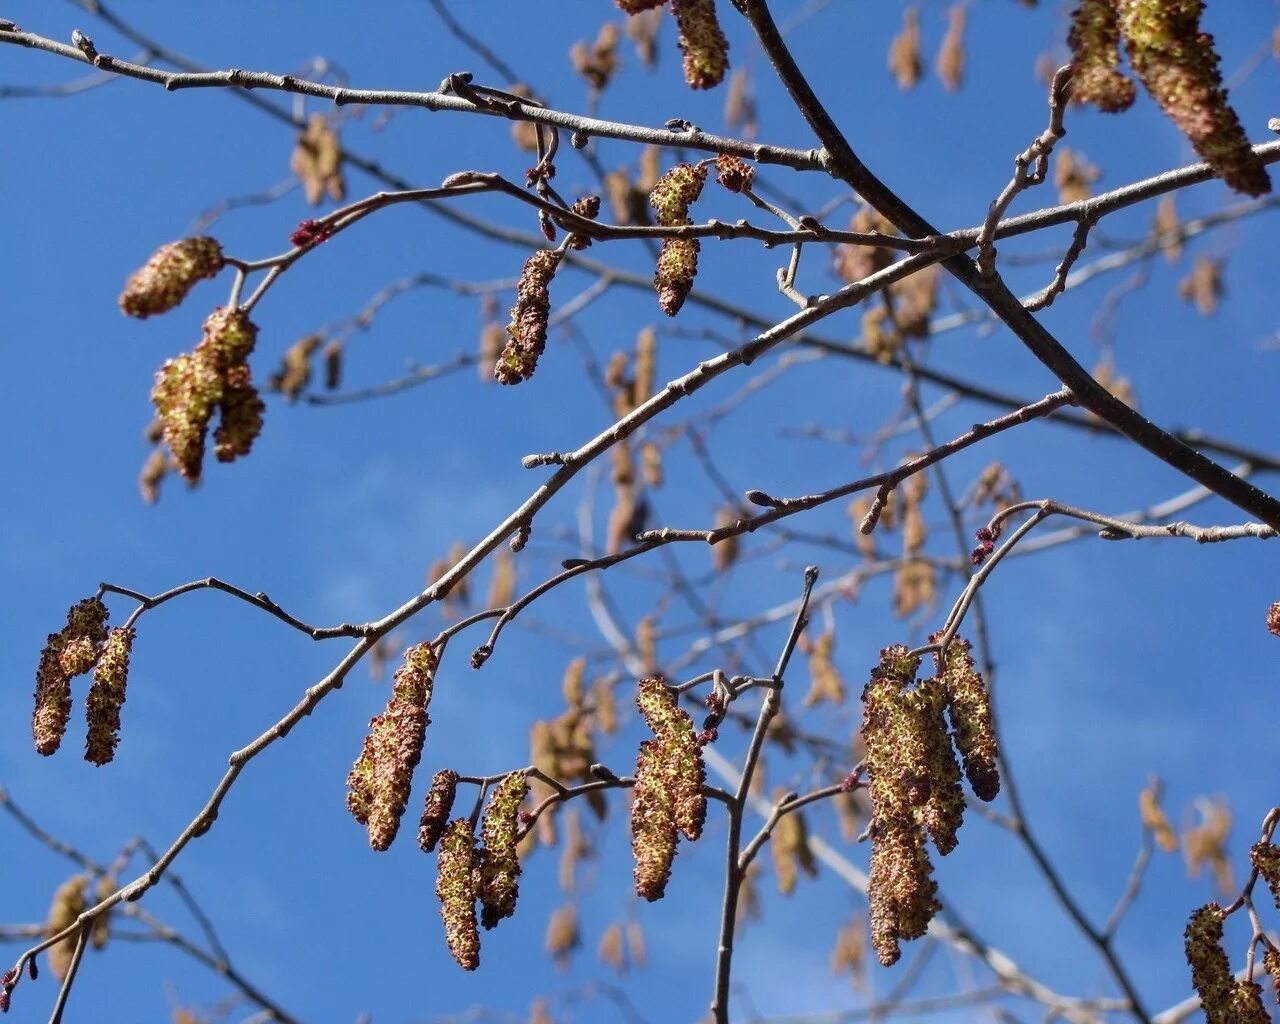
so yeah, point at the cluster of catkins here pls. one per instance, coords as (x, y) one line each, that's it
(668, 800)
(84, 643)
(212, 378)
(705, 48)
(1224, 999)
(1177, 63)
(671, 198)
(915, 780)
(467, 873)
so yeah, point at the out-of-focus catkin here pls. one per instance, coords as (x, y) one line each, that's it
(705, 48)
(169, 275)
(1095, 57)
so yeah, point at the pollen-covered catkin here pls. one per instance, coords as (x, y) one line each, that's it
(66, 654)
(969, 705)
(1177, 63)
(456, 886)
(500, 867)
(1095, 57)
(171, 272)
(705, 48)
(653, 830)
(1210, 969)
(379, 782)
(106, 696)
(436, 808)
(527, 332)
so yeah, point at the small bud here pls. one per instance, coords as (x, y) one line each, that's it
(171, 272)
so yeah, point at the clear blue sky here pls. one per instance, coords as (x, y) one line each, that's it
(1115, 660)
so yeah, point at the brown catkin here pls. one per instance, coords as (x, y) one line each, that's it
(1210, 969)
(969, 706)
(436, 808)
(527, 332)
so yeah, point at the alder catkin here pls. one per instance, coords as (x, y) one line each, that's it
(106, 696)
(705, 48)
(436, 808)
(456, 888)
(499, 866)
(1177, 63)
(169, 275)
(527, 332)
(379, 782)
(1095, 57)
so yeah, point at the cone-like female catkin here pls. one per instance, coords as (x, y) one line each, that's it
(500, 867)
(653, 829)
(106, 696)
(436, 808)
(171, 272)
(1210, 969)
(969, 705)
(456, 881)
(1179, 66)
(1095, 57)
(527, 332)
(705, 48)
(379, 782)
(1266, 858)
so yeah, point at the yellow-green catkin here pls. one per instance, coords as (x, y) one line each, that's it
(457, 877)
(527, 332)
(500, 866)
(171, 272)
(107, 695)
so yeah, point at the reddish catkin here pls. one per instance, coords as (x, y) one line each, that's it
(1179, 66)
(527, 332)
(379, 782)
(436, 808)
(171, 272)
(969, 705)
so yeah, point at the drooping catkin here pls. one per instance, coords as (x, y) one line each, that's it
(379, 782)
(457, 880)
(499, 866)
(70, 652)
(969, 707)
(527, 332)
(705, 48)
(1178, 64)
(436, 808)
(169, 275)
(106, 696)
(1095, 57)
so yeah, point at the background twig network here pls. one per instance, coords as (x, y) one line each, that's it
(837, 445)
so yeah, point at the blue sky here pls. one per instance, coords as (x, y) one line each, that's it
(1115, 660)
